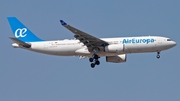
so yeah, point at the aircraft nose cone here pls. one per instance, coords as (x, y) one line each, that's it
(174, 43)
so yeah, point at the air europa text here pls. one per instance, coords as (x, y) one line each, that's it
(135, 41)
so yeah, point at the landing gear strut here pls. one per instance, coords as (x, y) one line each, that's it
(158, 56)
(95, 59)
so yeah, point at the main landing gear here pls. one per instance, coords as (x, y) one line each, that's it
(95, 60)
(158, 56)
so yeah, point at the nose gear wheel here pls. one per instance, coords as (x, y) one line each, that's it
(158, 55)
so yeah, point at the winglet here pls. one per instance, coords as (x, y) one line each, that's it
(63, 23)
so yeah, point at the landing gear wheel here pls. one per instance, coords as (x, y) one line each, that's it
(97, 62)
(92, 65)
(91, 59)
(96, 56)
(94, 59)
(158, 56)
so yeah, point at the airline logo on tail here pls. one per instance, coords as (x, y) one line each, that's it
(20, 32)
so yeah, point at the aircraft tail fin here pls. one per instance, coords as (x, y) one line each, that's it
(21, 32)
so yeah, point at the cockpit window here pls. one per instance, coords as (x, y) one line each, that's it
(169, 40)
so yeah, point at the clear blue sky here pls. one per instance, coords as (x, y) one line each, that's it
(29, 76)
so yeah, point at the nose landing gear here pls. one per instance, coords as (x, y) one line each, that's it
(158, 56)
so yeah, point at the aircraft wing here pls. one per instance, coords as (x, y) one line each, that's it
(88, 40)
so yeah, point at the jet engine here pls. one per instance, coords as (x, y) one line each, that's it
(116, 59)
(114, 48)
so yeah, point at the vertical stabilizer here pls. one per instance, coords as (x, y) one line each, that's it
(21, 32)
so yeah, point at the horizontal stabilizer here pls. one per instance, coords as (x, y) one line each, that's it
(19, 42)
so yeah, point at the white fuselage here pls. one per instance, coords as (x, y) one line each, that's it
(117, 46)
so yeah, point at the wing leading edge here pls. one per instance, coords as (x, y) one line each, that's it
(87, 39)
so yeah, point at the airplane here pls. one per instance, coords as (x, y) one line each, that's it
(84, 45)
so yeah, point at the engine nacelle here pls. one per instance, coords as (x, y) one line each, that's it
(114, 48)
(116, 59)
